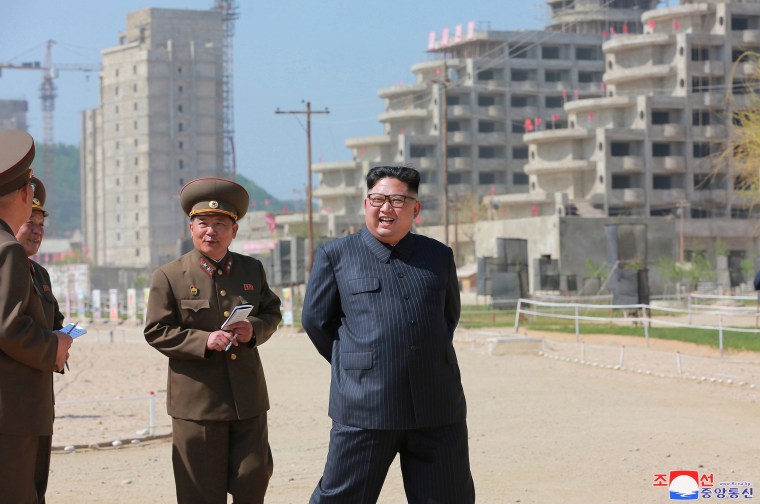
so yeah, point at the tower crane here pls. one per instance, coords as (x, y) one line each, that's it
(48, 94)
(229, 11)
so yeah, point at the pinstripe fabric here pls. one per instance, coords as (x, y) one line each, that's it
(385, 318)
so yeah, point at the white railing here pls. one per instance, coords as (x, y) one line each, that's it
(634, 314)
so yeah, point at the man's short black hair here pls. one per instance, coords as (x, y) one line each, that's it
(403, 173)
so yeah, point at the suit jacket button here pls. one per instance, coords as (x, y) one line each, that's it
(223, 293)
(233, 356)
(226, 313)
(219, 272)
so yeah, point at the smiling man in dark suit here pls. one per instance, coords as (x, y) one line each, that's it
(381, 306)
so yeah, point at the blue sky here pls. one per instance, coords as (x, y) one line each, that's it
(334, 53)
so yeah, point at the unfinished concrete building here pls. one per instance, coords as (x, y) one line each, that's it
(651, 150)
(13, 114)
(497, 84)
(159, 125)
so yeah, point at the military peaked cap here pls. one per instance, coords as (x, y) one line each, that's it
(16, 156)
(38, 202)
(214, 196)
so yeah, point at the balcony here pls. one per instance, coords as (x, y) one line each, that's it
(557, 134)
(709, 196)
(667, 131)
(496, 111)
(493, 138)
(667, 196)
(559, 167)
(710, 131)
(619, 76)
(675, 164)
(492, 164)
(332, 192)
(335, 166)
(402, 90)
(404, 114)
(422, 163)
(460, 163)
(460, 137)
(705, 68)
(459, 111)
(746, 37)
(626, 163)
(626, 197)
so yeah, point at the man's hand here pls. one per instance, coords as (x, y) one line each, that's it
(243, 330)
(62, 354)
(218, 340)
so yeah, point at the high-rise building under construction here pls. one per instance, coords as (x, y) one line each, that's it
(160, 124)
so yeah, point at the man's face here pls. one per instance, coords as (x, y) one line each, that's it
(212, 234)
(386, 223)
(30, 233)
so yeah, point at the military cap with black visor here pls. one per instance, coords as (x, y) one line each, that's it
(214, 196)
(16, 156)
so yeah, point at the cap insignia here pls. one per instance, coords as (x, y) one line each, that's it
(213, 204)
(194, 290)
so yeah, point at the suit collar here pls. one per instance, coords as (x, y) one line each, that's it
(383, 251)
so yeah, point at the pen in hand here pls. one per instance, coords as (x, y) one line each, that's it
(69, 333)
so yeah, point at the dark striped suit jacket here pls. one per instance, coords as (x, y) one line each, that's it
(384, 317)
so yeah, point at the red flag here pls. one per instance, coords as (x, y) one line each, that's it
(564, 94)
(493, 190)
(625, 28)
(676, 25)
(555, 117)
(269, 219)
(266, 202)
(528, 124)
(612, 30)
(71, 253)
(534, 210)
(651, 24)
(604, 35)
(362, 151)
(590, 116)
(538, 122)
(402, 131)
(604, 86)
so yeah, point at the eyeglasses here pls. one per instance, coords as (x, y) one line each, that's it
(396, 200)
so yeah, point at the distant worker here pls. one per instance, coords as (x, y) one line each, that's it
(217, 398)
(381, 307)
(29, 350)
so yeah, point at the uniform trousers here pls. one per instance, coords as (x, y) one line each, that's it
(213, 458)
(24, 468)
(435, 465)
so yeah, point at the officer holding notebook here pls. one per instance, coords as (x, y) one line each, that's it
(216, 395)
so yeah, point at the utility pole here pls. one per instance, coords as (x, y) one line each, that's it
(682, 206)
(308, 112)
(444, 82)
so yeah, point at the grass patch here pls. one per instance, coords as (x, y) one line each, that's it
(731, 339)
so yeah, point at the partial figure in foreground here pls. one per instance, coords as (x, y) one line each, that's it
(381, 306)
(216, 395)
(29, 349)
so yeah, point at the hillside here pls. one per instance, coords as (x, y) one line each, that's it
(63, 201)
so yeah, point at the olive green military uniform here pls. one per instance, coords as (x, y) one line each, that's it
(27, 349)
(218, 400)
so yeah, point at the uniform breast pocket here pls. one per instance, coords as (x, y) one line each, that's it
(194, 305)
(362, 285)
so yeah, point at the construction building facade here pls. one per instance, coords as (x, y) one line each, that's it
(159, 125)
(497, 86)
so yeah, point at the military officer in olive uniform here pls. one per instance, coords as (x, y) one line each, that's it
(217, 398)
(29, 350)
(30, 236)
